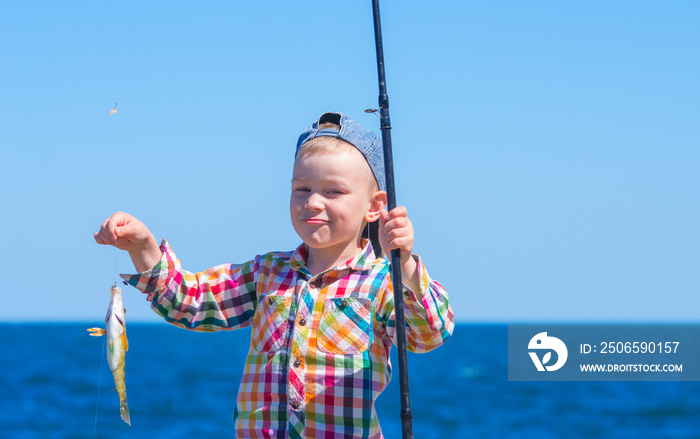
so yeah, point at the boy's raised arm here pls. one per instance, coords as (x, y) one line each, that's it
(429, 317)
(125, 232)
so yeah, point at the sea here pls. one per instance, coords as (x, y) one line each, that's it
(56, 383)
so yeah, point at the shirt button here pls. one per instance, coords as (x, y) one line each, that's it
(343, 304)
(302, 322)
(295, 405)
(270, 301)
(297, 363)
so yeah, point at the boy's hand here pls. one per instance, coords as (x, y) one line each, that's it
(396, 233)
(125, 232)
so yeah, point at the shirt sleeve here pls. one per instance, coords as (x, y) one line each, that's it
(223, 297)
(429, 317)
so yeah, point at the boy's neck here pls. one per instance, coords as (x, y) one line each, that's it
(320, 260)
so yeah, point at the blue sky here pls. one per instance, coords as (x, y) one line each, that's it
(547, 151)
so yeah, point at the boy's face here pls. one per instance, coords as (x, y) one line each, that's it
(331, 200)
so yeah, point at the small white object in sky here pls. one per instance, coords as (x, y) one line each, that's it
(113, 110)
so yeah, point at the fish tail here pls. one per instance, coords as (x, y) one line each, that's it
(124, 409)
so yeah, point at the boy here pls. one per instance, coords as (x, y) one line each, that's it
(323, 315)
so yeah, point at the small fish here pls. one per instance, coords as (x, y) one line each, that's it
(117, 345)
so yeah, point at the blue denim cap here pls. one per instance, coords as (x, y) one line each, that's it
(367, 142)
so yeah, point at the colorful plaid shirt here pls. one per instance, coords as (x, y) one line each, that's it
(319, 349)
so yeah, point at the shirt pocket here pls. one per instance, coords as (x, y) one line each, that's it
(270, 323)
(345, 326)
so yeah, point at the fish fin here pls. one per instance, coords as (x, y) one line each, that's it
(125, 341)
(97, 332)
(124, 409)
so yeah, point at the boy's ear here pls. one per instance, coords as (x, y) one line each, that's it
(377, 203)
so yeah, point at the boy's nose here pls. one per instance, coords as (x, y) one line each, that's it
(314, 202)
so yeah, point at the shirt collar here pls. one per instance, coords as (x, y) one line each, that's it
(298, 259)
(362, 261)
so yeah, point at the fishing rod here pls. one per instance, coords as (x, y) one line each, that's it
(385, 126)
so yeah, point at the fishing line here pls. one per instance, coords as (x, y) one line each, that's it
(120, 155)
(123, 111)
(122, 103)
(115, 265)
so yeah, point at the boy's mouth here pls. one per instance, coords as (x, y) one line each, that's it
(314, 221)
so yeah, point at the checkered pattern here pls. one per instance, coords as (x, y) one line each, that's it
(345, 325)
(319, 351)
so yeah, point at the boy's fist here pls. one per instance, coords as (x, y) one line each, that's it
(396, 233)
(125, 232)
